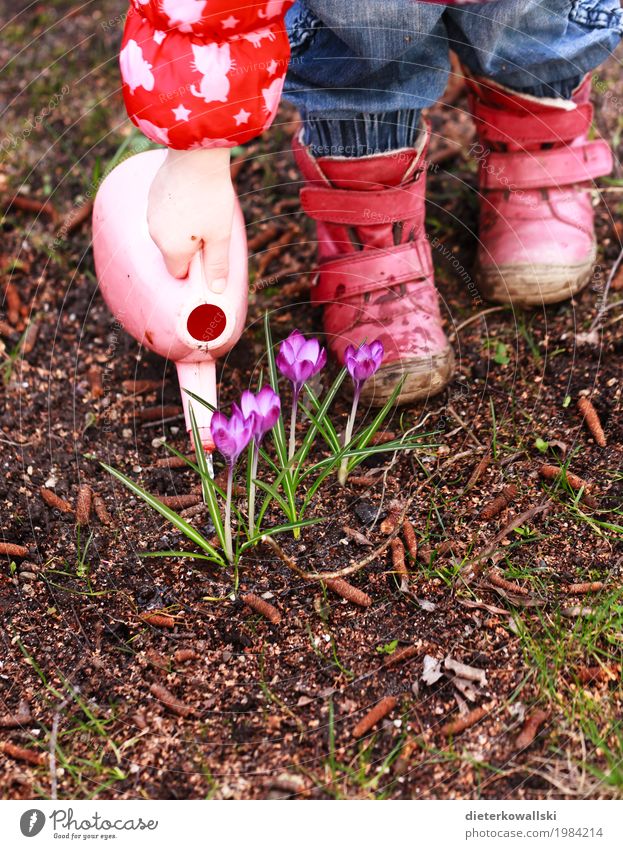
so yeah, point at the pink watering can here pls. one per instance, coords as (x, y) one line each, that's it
(182, 320)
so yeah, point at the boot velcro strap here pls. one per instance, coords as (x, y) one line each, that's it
(542, 169)
(367, 271)
(553, 126)
(360, 208)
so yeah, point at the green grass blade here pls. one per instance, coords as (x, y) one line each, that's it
(280, 529)
(207, 484)
(176, 520)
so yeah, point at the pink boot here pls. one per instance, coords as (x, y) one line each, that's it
(375, 274)
(537, 238)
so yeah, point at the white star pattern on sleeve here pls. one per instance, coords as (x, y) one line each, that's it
(181, 112)
(230, 22)
(242, 117)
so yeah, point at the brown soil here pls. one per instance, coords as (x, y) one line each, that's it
(160, 691)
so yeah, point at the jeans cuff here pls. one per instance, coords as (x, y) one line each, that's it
(365, 134)
(561, 89)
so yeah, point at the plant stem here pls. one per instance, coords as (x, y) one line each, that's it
(295, 406)
(343, 473)
(229, 551)
(254, 460)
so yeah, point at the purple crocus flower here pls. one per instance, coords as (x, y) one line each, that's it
(364, 361)
(300, 358)
(263, 408)
(361, 363)
(231, 435)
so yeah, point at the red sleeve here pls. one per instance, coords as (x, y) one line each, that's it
(204, 73)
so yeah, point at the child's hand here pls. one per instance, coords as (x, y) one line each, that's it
(191, 207)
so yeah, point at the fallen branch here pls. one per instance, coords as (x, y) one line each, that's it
(378, 712)
(261, 606)
(468, 571)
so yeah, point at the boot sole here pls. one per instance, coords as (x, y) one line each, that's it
(424, 377)
(534, 285)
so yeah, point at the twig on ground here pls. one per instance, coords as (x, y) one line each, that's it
(170, 701)
(378, 712)
(398, 562)
(158, 620)
(591, 419)
(259, 605)
(84, 500)
(497, 580)
(101, 511)
(18, 753)
(478, 472)
(54, 501)
(408, 532)
(401, 655)
(582, 589)
(451, 729)
(347, 591)
(530, 729)
(20, 718)
(495, 507)
(13, 550)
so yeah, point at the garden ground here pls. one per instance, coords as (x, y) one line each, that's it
(125, 677)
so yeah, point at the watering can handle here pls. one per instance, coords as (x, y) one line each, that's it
(196, 270)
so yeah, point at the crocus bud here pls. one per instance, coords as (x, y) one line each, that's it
(299, 359)
(231, 435)
(263, 408)
(364, 361)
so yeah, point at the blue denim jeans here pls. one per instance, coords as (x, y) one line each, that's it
(361, 70)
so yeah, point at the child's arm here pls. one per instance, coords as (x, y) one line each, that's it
(201, 76)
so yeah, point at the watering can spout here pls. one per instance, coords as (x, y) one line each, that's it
(200, 379)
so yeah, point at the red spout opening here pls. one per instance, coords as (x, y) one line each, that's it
(206, 322)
